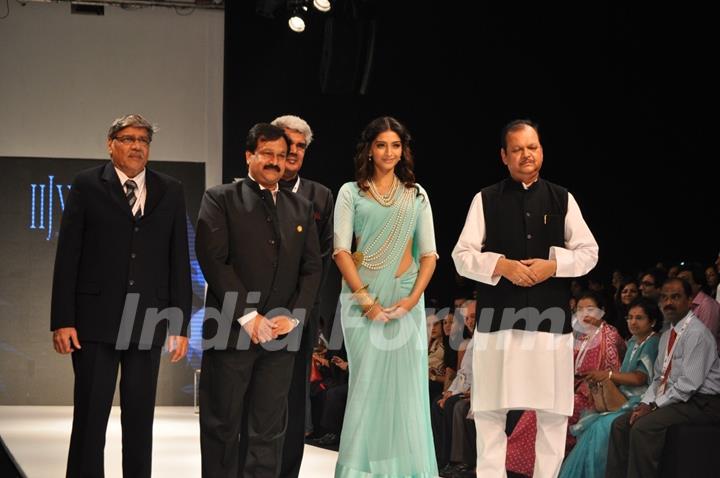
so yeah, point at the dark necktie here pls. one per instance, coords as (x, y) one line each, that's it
(131, 197)
(671, 342)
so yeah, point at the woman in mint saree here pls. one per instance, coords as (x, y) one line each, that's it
(588, 458)
(386, 431)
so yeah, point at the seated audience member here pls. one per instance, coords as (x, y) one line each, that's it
(463, 448)
(650, 282)
(629, 291)
(328, 395)
(587, 459)
(711, 277)
(441, 411)
(450, 357)
(685, 389)
(436, 357)
(702, 305)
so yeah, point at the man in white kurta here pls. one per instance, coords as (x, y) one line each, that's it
(523, 366)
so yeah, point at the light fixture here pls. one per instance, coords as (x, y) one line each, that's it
(298, 10)
(322, 5)
(296, 22)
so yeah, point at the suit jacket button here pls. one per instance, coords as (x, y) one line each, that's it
(137, 229)
(529, 236)
(133, 255)
(131, 282)
(268, 219)
(271, 242)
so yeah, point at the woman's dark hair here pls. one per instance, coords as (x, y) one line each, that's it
(651, 309)
(364, 168)
(594, 296)
(625, 281)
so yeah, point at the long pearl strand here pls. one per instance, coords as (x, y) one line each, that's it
(394, 244)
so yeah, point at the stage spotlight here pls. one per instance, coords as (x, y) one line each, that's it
(322, 5)
(296, 22)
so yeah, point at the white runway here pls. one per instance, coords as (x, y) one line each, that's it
(38, 438)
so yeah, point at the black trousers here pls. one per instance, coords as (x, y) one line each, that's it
(256, 380)
(464, 435)
(295, 436)
(96, 368)
(442, 427)
(635, 451)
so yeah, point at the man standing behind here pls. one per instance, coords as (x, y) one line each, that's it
(521, 236)
(122, 247)
(259, 243)
(300, 135)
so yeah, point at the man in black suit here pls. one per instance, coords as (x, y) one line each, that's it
(258, 249)
(122, 255)
(300, 135)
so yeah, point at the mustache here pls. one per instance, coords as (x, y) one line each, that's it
(272, 166)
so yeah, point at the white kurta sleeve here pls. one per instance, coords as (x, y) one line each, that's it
(470, 260)
(580, 253)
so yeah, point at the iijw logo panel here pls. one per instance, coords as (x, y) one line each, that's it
(44, 200)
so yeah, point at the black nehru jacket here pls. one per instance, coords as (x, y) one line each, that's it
(268, 250)
(523, 224)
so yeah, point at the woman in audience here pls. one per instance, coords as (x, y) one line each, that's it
(450, 357)
(629, 291)
(598, 346)
(588, 457)
(436, 356)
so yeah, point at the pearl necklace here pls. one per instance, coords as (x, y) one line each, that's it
(387, 199)
(394, 244)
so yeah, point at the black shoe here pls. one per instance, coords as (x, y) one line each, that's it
(329, 439)
(448, 470)
(466, 472)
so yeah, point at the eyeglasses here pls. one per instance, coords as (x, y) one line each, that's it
(129, 140)
(269, 155)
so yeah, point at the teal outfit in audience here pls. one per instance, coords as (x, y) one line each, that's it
(386, 431)
(589, 456)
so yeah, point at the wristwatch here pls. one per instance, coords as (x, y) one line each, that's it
(653, 406)
(294, 321)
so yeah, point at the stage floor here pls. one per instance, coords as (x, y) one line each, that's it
(38, 438)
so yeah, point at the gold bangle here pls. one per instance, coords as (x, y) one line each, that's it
(361, 288)
(365, 311)
(364, 300)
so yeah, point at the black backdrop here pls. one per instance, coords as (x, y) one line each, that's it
(622, 93)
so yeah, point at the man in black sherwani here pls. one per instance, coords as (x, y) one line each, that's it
(258, 248)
